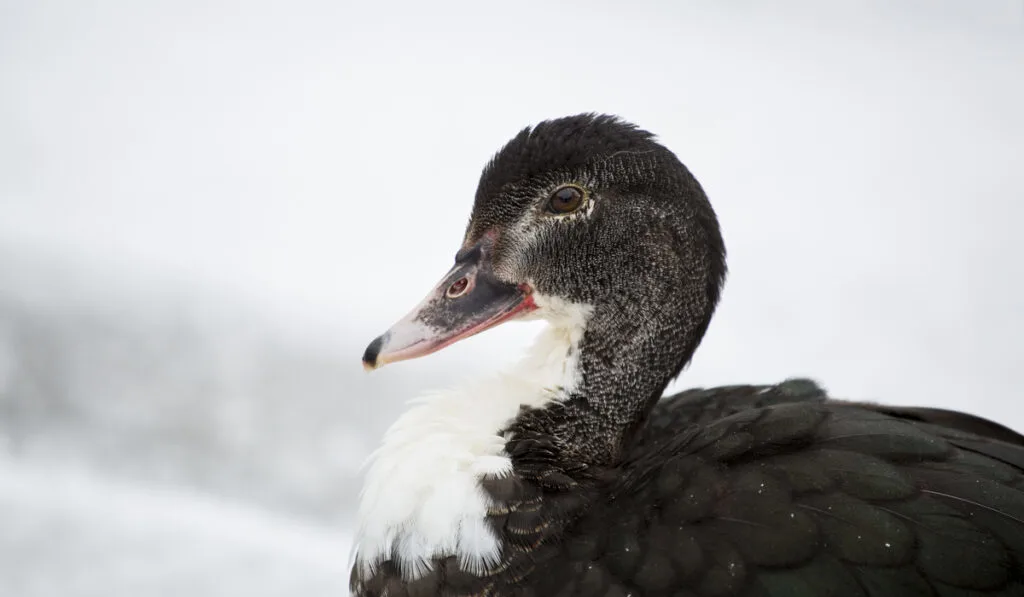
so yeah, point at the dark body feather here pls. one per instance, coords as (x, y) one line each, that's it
(760, 491)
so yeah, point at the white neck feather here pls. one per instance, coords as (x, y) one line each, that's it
(422, 497)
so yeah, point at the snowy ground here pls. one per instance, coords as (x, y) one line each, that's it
(153, 444)
(68, 532)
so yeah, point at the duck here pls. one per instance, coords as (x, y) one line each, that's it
(570, 473)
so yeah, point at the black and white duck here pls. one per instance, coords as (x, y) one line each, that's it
(571, 475)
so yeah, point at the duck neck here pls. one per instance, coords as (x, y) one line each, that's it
(619, 368)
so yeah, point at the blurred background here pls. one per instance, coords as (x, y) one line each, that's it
(208, 209)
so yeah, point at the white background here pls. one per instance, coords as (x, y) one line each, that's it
(286, 179)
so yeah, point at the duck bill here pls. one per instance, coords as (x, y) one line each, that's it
(467, 301)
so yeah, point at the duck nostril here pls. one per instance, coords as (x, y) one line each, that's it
(458, 288)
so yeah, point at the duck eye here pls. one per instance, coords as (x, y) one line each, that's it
(565, 200)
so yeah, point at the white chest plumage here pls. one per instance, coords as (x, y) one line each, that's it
(422, 497)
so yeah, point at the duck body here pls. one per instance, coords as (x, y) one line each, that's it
(757, 491)
(571, 475)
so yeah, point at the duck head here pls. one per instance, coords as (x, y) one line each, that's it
(587, 219)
